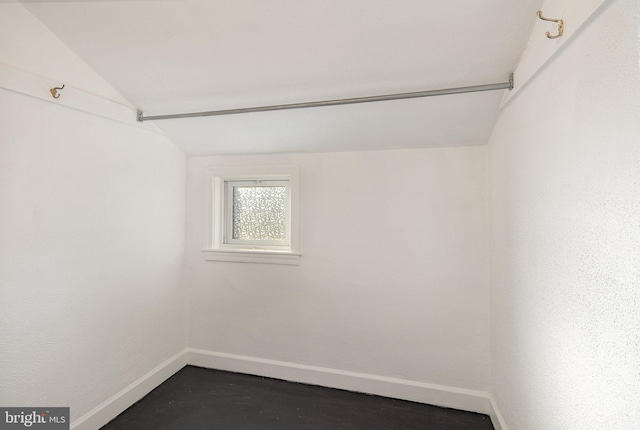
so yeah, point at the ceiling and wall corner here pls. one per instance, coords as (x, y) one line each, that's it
(186, 56)
(565, 169)
(91, 237)
(564, 299)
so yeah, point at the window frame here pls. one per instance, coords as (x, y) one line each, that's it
(218, 248)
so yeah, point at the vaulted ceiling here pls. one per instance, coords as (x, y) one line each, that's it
(197, 55)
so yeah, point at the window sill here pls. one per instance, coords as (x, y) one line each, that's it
(258, 256)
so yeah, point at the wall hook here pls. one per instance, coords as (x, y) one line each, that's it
(54, 91)
(557, 21)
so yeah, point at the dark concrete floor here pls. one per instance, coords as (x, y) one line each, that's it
(199, 399)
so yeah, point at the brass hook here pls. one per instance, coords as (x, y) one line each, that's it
(557, 21)
(54, 91)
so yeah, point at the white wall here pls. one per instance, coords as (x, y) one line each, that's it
(565, 236)
(393, 277)
(393, 280)
(91, 238)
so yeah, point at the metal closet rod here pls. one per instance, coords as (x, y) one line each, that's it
(337, 102)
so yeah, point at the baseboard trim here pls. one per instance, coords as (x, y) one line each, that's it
(422, 392)
(433, 394)
(496, 416)
(119, 402)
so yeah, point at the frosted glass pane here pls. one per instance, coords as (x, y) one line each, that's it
(259, 213)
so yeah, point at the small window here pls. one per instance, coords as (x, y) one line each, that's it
(254, 215)
(257, 213)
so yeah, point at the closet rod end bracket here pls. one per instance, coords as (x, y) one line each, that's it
(139, 116)
(511, 82)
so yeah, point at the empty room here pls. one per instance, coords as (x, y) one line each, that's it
(322, 214)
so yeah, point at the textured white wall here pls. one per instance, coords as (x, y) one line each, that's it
(393, 277)
(91, 239)
(565, 216)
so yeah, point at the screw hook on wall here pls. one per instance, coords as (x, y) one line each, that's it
(54, 91)
(557, 21)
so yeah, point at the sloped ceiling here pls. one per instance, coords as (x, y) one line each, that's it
(189, 56)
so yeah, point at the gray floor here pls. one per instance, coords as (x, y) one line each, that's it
(199, 399)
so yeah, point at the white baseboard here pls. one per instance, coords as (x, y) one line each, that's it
(119, 402)
(496, 417)
(422, 392)
(439, 395)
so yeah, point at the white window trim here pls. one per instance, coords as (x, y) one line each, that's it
(216, 249)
